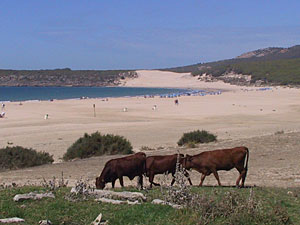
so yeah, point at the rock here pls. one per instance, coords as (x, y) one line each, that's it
(12, 220)
(116, 202)
(161, 202)
(99, 221)
(131, 196)
(32, 195)
(45, 222)
(158, 202)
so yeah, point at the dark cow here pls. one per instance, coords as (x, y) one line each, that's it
(163, 164)
(130, 166)
(223, 159)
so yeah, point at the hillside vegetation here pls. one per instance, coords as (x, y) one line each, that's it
(283, 72)
(63, 77)
(272, 65)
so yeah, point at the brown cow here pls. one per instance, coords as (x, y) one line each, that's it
(224, 159)
(163, 164)
(130, 166)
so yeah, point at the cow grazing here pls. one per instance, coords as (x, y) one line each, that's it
(163, 164)
(130, 166)
(224, 159)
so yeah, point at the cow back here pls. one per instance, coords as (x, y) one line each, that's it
(161, 164)
(221, 159)
(131, 166)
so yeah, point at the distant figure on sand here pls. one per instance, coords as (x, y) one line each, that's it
(2, 115)
(154, 107)
(46, 116)
(176, 102)
(3, 106)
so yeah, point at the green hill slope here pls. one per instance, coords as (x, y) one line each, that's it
(283, 72)
(274, 65)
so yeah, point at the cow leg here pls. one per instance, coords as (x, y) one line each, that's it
(113, 183)
(173, 180)
(121, 181)
(151, 178)
(237, 184)
(202, 179)
(242, 176)
(217, 177)
(140, 181)
(188, 177)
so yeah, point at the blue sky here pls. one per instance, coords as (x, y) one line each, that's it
(140, 34)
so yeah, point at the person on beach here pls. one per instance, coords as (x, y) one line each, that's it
(2, 114)
(176, 102)
(3, 106)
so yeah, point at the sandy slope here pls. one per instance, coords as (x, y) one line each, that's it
(234, 115)
(155, 78)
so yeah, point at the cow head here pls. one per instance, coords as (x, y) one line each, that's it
(187, 162)
(100, 184)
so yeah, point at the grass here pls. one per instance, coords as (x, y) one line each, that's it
(276, 207)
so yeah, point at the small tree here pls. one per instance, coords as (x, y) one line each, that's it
(196, 137)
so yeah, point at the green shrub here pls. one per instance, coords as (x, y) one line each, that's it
(19, 157)
(197, 137)
(191, 145)
(96, 145)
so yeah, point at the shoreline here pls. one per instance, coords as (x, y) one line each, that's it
(176, 91)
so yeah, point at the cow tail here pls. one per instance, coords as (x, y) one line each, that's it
(247, 154)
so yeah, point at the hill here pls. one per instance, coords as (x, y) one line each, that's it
(63, 77)
(271, 65)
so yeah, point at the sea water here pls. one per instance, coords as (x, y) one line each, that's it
(48, 93)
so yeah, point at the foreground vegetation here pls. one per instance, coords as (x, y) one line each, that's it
(219, 205)
(97, 144)
(18, 157)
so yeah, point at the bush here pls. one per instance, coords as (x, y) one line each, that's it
(96, 145)
(196, 137)
(19, 157)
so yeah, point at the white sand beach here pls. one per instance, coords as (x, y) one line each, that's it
(236, 114)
